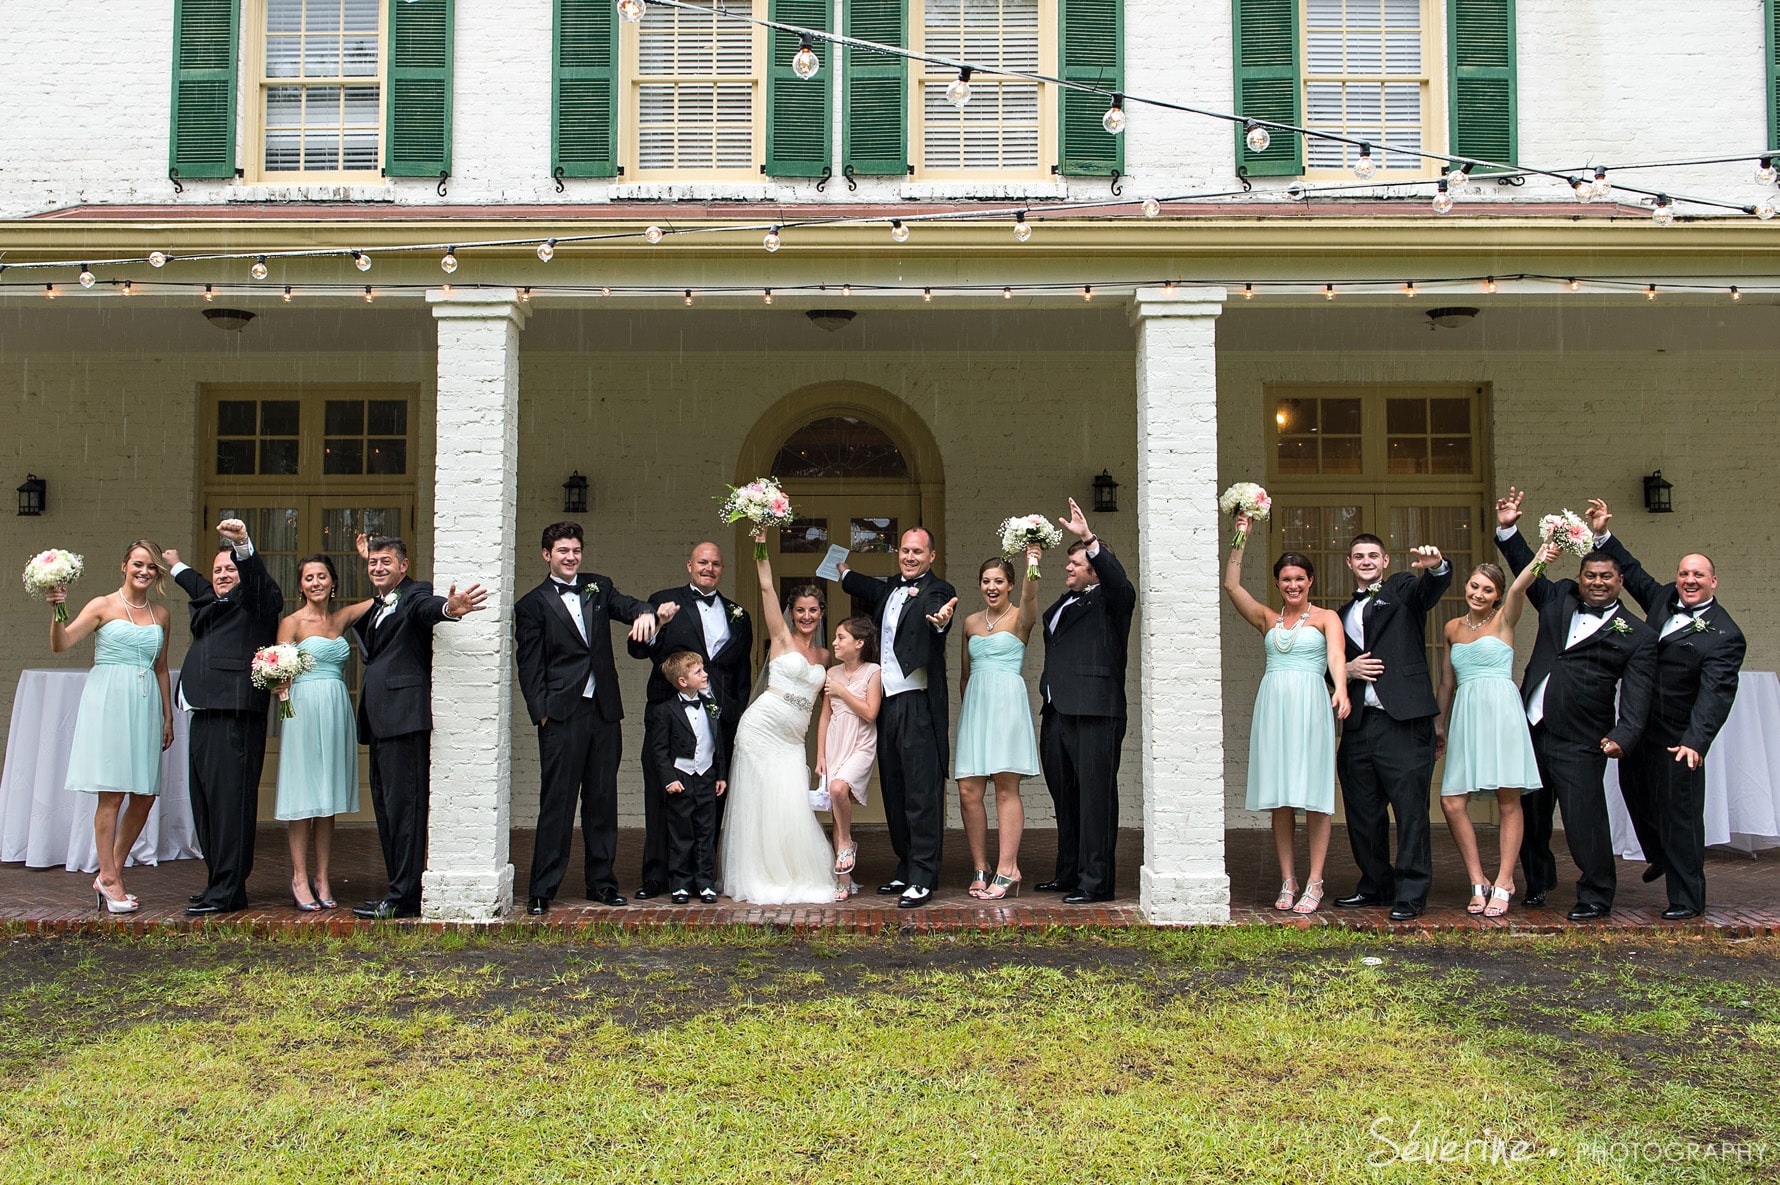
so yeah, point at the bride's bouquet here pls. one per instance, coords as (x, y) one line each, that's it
(53, 569)
(762, 503)
(1245, 497)
(1569, 532)
(273, 665)
(1032, 530)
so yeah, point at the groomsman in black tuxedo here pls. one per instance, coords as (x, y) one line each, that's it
(234, 613)
(395, 711)
(1590, 652)
(563, 643)
(1699, 651)
(720, 632)
(913, 613)
(1087, 631)
(1389, 741)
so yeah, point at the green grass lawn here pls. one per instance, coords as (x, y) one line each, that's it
(1216, 1055)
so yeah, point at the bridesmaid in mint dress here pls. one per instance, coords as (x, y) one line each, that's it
(1291, 750)
(318, 747)
(1488, 746)
(126, 713)
(996, 740)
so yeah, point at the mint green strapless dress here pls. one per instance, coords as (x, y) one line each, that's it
(318, 750)
(1291, 740)
(117, 736)
(995, 733)
(1488, 746)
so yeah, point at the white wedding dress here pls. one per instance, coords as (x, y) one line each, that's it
(774, 851)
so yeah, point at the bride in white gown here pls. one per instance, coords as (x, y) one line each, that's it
(774, 851)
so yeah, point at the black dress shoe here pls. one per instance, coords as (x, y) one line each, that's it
(1588, 913)
(1052, 887)
(1405, 911)
(202, 910)
(913, 896)
(537, 905)
(649, 889)
(195, 898)
(1653, 872)
(893, 889)
(1534, 900)
(679, 896)
(708, 896)
(1080, 898)
(1358, 900)
(1679, 913)
(611, 897)
(384, 911)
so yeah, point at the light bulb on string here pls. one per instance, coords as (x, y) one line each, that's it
(1087, 292)
(1114, 120)
(1763, 209)
(846, 289)
(1650, 292)
(448, 262)
(1248, 292)
(258, 270)
(1022, 228)
(805, 63)
(1602, 186)
(546, 250)
(689, 298)
(1442, 197)
(158, 258)
(1365, 166)
(525, 296)
(771, 242)
(1575, 284)
(1409, 289)
(1150, 207)
(927, 295)
(1328, 292)
(127, 289)
(768, 296)
(898, 231)
(1735, 295)
(1458, 172)
(605, 291)
(367, 294)
(1489, 284)
(631, 10)
(653, 234)
(87, 279)
(1765, 172)
(445, 288)
(287, 294)
(361, 261)
(1583, 188)
(1257, 137)
(49, 292)
(209, 293)
(958, 93)
(1007, 293)
(1664, 213)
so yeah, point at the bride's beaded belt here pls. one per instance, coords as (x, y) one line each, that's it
(802, 701)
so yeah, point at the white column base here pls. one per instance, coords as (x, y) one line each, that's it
(1184, 899)
(451, 896)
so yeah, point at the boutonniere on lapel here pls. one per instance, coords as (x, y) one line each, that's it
(1699, 625)
(1619, 625)
(736, 613)
(713, 709)
(589, 589)
(1373, 589)
(389, 599)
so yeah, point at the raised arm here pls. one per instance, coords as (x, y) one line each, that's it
(1514, 601)
(63, 637)
(1028, 599)
(1252, 610)
(771, 611)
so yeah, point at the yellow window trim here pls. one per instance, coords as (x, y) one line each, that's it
(629, 109)
(253, 54)
(1047, 104)
(1434, 111)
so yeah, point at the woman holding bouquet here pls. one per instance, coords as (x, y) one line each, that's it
(1291, 751)
(126, 713)
(996, 740)
(318, 749)
(1488, 745)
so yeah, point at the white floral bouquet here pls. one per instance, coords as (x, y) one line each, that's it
(53, 569)
(273, 665)
(762, 503)
(1017, 534)
(1569, 532)
(1245, 497)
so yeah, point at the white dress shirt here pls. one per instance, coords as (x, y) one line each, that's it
(714, 621)
(706, 751)
(243, 549)
(571, 599)
(896, 680)
(1354, 623)
(1582, 625)
(1684, 617)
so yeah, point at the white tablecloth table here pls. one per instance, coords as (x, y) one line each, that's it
(45, 825)
(1742, 775)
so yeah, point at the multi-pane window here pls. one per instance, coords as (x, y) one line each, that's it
(999, 126)
(321, 88)
(1366, 77)
(697, 88)
(1429, 436)
(365, 436)
(312, 436)
(1317, 435)
(258, 437)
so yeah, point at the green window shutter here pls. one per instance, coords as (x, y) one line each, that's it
(1773, 23)
(418, 135)
(875, 139)
(206, 35)
(798, 137)
(1268, 84)
(1480, 53)
(1092, 41)
(584, 90)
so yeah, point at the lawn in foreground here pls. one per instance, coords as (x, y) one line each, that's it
(1099, 1056)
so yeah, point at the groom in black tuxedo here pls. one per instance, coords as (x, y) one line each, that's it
(563, 644)
(234, 613)
(913, 612)
(1699, 652)
(1087, 632)
(395, 712)
(1590, 652)
(1388, 743)
(720, 632)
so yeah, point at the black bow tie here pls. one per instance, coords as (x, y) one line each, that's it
(567, 590)
(1362, 594)
(705, 598)
(1593, 611)
(905, 582)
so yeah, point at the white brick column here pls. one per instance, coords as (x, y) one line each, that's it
(469, 877)
(1184, 879)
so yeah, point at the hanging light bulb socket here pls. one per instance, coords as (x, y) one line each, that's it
(367, 294)
(805, 63)
(898, 232)
(1664, 213)
(1007, 293)
(1248, 292)
(1409, 289)
(1575, 284)
(448, 262)
(287, 294)
(1087, 292)
(1489, 284)
(1735, 295)
(1256, 137)
(209, 293)
(1764, 209)
(1765, 172)
(158, 258)
(1650, 292)
(654, 234)
(87, 279)
(1022, 228)
(1365, 166)
(631, 10)
(1328, 292)
(772, 241)
(1442, 197)
(546, 250)
(1150, 207)
(258, 270)
(525, 296)
(767, 295)
(1583, 189)
(1602, 186)
(689, 298)
(361, 261)
(1114, 120)
(927, 295)
(49, 292)
(958, 93)
(127, 289)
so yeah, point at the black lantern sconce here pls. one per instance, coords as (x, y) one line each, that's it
(31, 496)
(1656, 494)
(1106, 493)
(574, 494)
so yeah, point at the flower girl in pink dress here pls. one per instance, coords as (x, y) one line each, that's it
(847, 737)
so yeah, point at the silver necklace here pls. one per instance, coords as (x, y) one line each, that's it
(1284, 639)
(989, 626)
(1477, 625)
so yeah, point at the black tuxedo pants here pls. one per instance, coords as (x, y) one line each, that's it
(1572, 772)
(1386, 768)
(401, 792)
(579, 755)
(1667, 803)
(1080, 759)
(227, 752)
(657, 860)
(913, 784)
(692, 833)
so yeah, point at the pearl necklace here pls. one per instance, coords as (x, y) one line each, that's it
(1474, 626)
(989, 626)
(1284, 639)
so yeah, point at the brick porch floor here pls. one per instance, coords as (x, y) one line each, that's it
(1744, 893)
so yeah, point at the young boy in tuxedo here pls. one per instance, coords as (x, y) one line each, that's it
(685, 743)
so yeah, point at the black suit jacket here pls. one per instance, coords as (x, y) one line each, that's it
(669, 736)
(1579, 699)
(1085, 656)
(1696, 670)
(554, 660)
(917, 645)
(396, 688)
(217, 672)
(1396, 631)
(731, 668)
